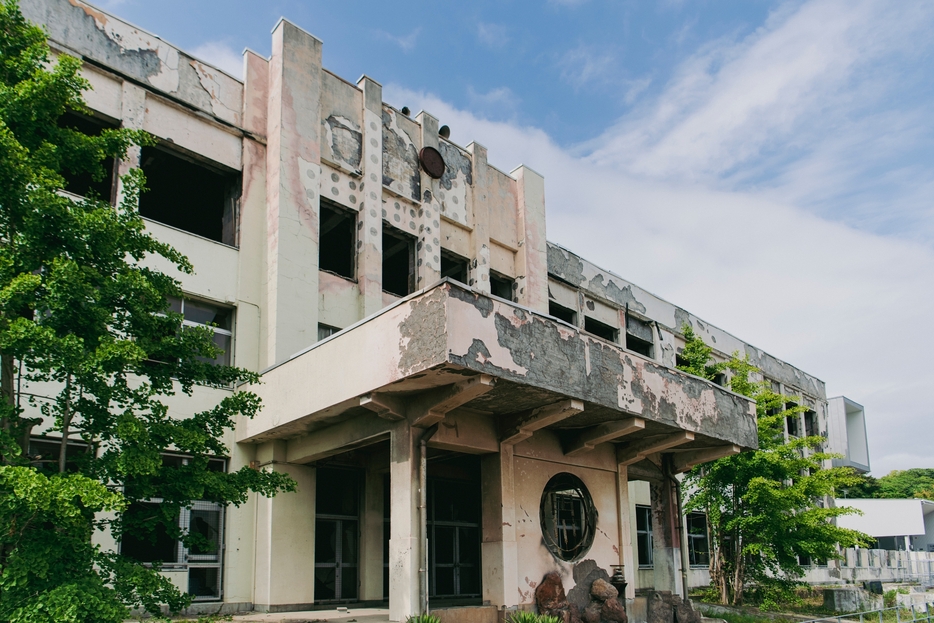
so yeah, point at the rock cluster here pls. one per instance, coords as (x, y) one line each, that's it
(603, 607)
(663, 607)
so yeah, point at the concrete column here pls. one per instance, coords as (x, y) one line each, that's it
(293, 157)
(532, 259)
(133, 117)
(371, 534)
(480, 237)
(285, 538)
(498, 554)
(626, 557)
(404, 533)
(250, 352)
(664, 535)
(370, 223)
(427, 253)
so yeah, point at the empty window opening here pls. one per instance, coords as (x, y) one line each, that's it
(44, 453)
(336, 240)
(398, 263)
(810, 424)
(83, 183)
(792, 422)
(698, 550)
(219, 319)
(600, 329)
(190, 196)
(502, 286)
(638, 345)
(562, 313)
(644, 540)
(326, 331)
(455, 267)
(720, 379)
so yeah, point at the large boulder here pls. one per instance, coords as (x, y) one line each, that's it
(603, 590)
(551, 600)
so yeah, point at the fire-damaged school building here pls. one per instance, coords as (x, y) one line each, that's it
(466, 407)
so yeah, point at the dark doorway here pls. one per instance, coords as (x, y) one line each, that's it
(337, 534)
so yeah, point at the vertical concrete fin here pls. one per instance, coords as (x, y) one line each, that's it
(292, 192)
(370, 225)
(480, 237)
(532, 259)
(428, 249)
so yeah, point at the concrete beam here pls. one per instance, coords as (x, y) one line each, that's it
(590, 437)
(635, 452)
(430, 407)
(335, 439)
(686, 460)
(385, 406)
(521, 426)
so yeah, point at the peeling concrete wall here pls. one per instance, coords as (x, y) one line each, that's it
(400, 155)
(139, 55)
(601, 284)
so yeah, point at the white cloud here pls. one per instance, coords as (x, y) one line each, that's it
(405, 42)
(492, 35)
(222, 56)
(498, 103)
(585, 65)
(849, 306)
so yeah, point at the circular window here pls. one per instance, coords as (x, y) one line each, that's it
(568, 516)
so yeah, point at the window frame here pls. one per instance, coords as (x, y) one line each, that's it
(693, 539)
(648, 533)
(229, 353)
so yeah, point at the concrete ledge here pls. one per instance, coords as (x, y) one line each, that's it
(467, 614)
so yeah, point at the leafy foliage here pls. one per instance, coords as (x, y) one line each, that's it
(900, 484)
(766, 508)
(84, 320)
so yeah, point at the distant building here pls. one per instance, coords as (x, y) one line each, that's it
(895, 524)
(411, 323)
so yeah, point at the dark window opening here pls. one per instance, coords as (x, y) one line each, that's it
(150, 540)
(720, 379)
(792, 422)
(398, 263)
(810, 424)
(83, 184)
(190, 196)
(337, 534)
(325, 331)
(336, 240)
(699, 553)
(680, 362)
(502, 286)
(43, 454)
(455, 267)
(600, 329)
(804, 560)
(562, 313)
(638, 345)
(644, 541)
(568, 517)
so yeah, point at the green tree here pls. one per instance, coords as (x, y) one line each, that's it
(768, 507)
(909, 483)
(85, 323)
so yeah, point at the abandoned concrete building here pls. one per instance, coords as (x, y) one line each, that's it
(465, 406)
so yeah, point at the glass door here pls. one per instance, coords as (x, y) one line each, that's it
(337, 535)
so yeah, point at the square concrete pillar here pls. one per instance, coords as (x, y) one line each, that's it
(293, 164)
(626, 557)
(498, 550)
(370, 225)
(404, 528)
(532, 259)
(371, 533)
(285, 539)
(665, 552)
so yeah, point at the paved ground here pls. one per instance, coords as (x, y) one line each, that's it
(344, 615)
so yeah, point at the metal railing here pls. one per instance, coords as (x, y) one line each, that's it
(883, 615)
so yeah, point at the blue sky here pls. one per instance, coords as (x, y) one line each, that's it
(767, 165)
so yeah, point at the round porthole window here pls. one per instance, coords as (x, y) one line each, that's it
(568, 516)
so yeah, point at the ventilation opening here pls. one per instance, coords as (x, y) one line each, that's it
(82, 183)
(189, 195)
(398, 263)
(326, 331)
(562, 313)
(336, 240)
(638, 345)
(503, 287)
(600, 329)
(454, 266)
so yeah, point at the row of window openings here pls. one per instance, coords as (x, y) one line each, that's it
(593, 326)
(184, 192)
(337, 252)
(204, 519)
(698, 548)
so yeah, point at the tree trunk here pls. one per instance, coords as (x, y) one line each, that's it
(66, 423)
(8, 396)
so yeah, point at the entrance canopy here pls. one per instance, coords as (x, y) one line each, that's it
(505, 371)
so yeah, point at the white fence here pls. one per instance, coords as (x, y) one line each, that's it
(860, 565)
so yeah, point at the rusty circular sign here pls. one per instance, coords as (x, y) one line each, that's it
(432, 162)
